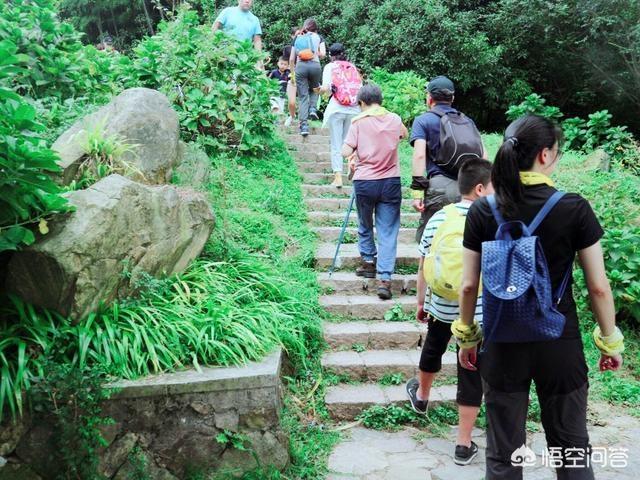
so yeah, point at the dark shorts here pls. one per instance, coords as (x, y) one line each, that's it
(435, 345)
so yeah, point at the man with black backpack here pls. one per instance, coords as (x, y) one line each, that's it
(442, 139)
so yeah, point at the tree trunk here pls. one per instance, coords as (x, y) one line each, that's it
(100, 30)
(113, 21)
(148, 17)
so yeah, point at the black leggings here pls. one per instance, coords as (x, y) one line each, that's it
(469, 391)
(559, 371)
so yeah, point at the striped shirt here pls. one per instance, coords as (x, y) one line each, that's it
(438, 307)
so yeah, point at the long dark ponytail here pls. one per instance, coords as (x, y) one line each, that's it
(523, 140)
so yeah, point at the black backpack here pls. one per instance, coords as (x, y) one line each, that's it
(459, 140)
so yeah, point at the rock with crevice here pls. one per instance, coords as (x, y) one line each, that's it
(120, 231)
(140, 118)
(598, 160)
(117, 454)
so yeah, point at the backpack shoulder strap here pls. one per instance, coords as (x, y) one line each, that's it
(491, 199)
(437, 111)
(544, 211)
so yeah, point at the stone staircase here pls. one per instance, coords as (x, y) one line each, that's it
(363, 347)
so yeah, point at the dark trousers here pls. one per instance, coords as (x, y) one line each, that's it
(559, 372)
(469, 390)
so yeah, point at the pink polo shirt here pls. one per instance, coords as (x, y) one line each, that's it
(376, 140)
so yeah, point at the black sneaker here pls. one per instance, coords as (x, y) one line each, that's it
(304, 129)
(419, 406)
(313, 115)
(464, 455)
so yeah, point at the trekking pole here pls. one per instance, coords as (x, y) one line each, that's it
(344, 228)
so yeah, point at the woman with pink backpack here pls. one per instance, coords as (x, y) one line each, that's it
(342, 81)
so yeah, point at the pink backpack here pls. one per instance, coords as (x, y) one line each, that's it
(346, 82)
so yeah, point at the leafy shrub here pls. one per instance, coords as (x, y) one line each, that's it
(58, 65)
(103, 156)
(533, 104)
(586, 135)
(389, 417)
(28, 194)
(392, 379)
(403, 92)
(219, 93)
(623, 268)
(574, 130)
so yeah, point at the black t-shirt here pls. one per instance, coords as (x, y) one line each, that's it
(282, 77)
(570, 226)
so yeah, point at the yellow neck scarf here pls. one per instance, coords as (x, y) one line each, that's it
(535, 178)
(371, 112)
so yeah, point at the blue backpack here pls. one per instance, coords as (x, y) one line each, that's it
(518, 304)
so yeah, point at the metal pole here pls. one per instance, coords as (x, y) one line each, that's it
(344, 228)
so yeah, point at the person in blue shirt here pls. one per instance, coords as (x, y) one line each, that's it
(241, 23)
(439, 188)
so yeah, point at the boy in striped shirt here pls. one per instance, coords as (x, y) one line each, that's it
(474, 180)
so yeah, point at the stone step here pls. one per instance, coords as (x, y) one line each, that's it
(366, 307)
(346, 402)
(334, 219)
(372, 365)
(349, 256)
(338, 204)
(316, 167)
(326, 190)
(349, 283)
(310, 140)
(329, 191)
(294, 130)
(321, 178)
(331, 234)
(313, 155)
(374, 335)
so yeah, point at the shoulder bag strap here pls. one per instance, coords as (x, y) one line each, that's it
(491, 199)
(544, 211)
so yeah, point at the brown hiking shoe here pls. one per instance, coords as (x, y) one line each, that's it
(384, 289)
(366, 269)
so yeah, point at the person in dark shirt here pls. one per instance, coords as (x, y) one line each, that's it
(440, 187)
(529, 154)
(281, 74)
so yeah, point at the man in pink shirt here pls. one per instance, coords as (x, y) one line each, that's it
(372, 147)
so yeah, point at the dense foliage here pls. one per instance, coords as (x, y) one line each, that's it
(27, 193)
(248, 293)
(579, 55)
(212, 79)
(586, 135)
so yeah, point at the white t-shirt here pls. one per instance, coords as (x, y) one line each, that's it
(334, 106)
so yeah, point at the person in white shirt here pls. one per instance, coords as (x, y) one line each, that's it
(337, 116)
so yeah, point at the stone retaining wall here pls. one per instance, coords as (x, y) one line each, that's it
(171, 421)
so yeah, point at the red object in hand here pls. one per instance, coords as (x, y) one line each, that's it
(421, 316)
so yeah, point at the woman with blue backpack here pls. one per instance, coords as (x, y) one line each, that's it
(308, 49)
(341, 80)
(524, 240)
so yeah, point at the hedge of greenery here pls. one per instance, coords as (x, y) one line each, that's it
(249, 292)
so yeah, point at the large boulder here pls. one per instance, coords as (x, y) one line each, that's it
(141, 117)
(118, 226)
